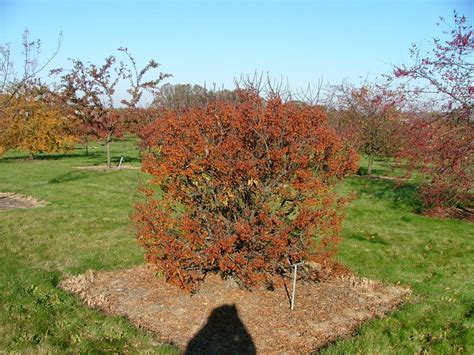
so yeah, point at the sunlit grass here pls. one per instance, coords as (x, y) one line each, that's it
(86, 225)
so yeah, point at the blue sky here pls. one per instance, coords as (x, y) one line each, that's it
(214, 41)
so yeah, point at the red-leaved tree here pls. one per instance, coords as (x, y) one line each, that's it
(371, 118)
(91, 92)
(441, 143)
(247, 189)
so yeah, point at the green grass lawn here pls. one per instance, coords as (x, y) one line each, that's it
(86, 226)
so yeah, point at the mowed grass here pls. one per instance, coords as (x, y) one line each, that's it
(384, 239)
(86, 225)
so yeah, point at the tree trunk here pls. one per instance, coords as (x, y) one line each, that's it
(109, 164)
(369, 167)
(87, 147)
(31, 156)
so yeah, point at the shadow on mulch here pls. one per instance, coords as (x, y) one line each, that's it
(224, 333)
(221, 318)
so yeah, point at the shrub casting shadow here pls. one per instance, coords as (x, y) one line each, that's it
(53, 156)
(60, 156)
(75, 175)
(374, 238)
(224, 333)
(98, 156)
(405, 194)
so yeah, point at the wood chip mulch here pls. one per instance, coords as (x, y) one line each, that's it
(222, 318)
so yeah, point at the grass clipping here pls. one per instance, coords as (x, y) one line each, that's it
(223, 318)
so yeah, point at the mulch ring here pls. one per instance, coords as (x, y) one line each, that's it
(221, 318)
(10, 200)
(104, 167)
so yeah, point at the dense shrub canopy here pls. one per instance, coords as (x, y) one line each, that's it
(248, 189)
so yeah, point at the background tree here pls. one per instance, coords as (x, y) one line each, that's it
(184, 96)
(369, 116)
(15, 86)
(248, 190)
(36, 121)
(91, 91)
(10, 82)
(441, 143)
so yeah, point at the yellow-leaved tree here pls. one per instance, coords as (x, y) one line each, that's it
(32, 117)
(35, 121)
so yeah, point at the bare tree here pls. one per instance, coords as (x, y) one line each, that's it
(269, 87)
(11, 82)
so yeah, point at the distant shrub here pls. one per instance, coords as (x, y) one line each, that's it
(247, 189)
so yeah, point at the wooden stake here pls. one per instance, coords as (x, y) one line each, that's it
(293, 293)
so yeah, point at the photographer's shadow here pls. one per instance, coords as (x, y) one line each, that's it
(224, 333)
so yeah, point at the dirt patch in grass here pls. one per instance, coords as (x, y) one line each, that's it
(222, 318)
(104, 167)
(10, 200)
(386, 177)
